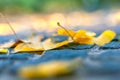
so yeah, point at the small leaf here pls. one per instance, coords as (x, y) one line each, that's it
(3, 50)
(83, 37)
(49, 44)
(50, 69)
(105, 37)
(25, 47)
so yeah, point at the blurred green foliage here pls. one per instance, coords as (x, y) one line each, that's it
(29, 6)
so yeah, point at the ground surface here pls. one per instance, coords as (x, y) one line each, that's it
(103, 64)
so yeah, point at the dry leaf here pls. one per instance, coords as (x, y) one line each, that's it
(17, 43)
(11, 44)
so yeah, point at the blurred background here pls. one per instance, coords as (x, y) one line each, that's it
(73, 14)
(47, 6)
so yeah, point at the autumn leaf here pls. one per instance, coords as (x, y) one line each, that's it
(105, 37)
(82, 37)
(30, 48)
(12, 44)
(86, 37)
(50, 69)
(3, 50)
(49, 44)
(16, 43)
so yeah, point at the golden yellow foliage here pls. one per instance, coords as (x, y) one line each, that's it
(50, 69)
(3, 50)
(86, 37)
(30, 47)
(82, 37)
(25, 47)
(105, 37)
(48, 44)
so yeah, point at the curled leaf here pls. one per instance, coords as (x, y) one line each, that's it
(105, 37)
(86, 37)
(83, 37)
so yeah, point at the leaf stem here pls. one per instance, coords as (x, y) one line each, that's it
(65, 30)
(6, 20)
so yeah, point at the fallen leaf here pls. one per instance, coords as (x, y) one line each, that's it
(25, 47)
(50, 69)
(105, 37)
(38, 47)
(84, 37)
(11, 44)
(16, 43)
(80, 36)
(49, 44)
(3, 50)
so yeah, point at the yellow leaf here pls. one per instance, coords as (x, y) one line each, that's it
(82, 37)
(48, 44)
(105, 37)
(86, 37)
(25, 47)
(3, 50)
(39, 48)
(50, 69)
